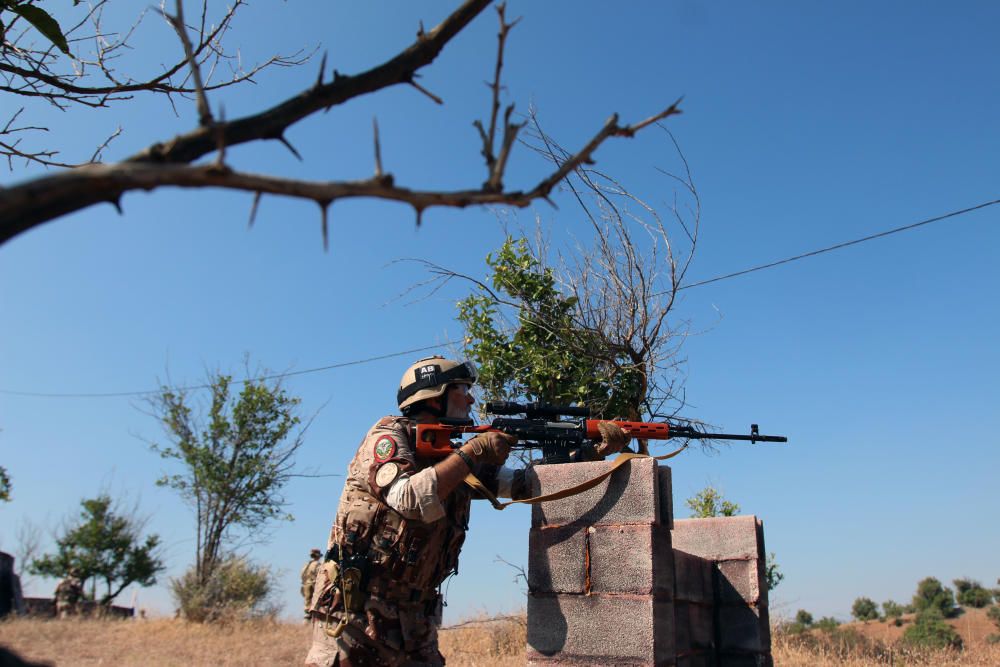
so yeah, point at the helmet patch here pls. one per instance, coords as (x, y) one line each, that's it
(385, 448)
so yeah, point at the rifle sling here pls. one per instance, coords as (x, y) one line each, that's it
(621, 459)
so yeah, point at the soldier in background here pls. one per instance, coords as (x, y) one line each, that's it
(308, 577)
(68, 594)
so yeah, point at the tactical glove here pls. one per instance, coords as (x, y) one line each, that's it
(492, 447)
(613, 439)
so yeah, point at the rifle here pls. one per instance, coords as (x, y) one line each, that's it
(544, 427)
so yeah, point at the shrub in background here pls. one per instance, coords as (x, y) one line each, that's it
(827, 624)
(972, 594)
(864, 609)
(931, 594)
(929, 630)
(893, 611)
(235, 590)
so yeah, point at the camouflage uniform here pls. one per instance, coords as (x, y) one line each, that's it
(308, 578)
(392, 544)
(68, 594)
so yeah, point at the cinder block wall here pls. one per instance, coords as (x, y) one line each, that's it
(613, 580)
(600, 572)
(720, 606)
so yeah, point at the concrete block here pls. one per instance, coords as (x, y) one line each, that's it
(557, 559)
(630, 495)
(602, 629)
(631, 559)
(719, 538)
(693, 577)
(741, 628)
(694, 628)
(696, 660)
(664, 479)
(741, 581)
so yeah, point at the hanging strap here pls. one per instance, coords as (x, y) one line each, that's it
(473, 481)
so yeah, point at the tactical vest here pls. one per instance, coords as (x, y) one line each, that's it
(403, 560)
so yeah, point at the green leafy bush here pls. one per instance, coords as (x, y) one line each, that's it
(931, 594)
(893, 610)
(864, 609)
(972, 594)
(235, 590)
(803, 617)
(929, 630)
(827, 624)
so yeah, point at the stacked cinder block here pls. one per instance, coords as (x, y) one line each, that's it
(720, 605)
(613, 580)
(600, 571)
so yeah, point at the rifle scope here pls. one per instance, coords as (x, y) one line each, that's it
(536, 409)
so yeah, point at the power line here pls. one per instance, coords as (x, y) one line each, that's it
(838, 246)
(390, 355)
(148, 392)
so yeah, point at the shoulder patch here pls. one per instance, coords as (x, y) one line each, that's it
(385, 448)
(386, 474)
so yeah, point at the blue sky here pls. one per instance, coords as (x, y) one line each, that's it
(805, 124)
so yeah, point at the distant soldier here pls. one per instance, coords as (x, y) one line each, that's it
(69, 593)
(308, 576)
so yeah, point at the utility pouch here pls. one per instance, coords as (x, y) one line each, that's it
(350, 578)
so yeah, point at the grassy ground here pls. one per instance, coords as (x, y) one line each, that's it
(169, 642)
(498, 642)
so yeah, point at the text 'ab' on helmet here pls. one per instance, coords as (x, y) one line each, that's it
(430, 377)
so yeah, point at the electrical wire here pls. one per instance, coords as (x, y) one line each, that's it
(390, 355)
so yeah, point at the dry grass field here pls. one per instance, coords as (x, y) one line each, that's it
(169, 642)
(496, 642)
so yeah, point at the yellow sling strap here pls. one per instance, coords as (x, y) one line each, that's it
(622, 458)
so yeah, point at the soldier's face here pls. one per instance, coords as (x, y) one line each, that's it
(460, 401)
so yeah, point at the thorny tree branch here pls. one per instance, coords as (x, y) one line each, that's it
(32, 203)
(63, 81)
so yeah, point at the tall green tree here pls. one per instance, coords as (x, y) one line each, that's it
(971, 593)
(864, 609)
(105, 545)
(235, 460)
(932, 594)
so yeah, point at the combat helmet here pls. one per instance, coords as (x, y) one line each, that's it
(430, 377)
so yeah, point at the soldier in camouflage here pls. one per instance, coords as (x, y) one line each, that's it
(308, 578)
(400, 526)
(69, 594)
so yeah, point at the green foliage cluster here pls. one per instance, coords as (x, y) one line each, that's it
(5, 486)
(932, 594)
(104, 545)
(894, 611)
(827, 624)
(708, 503)
(236, 590)
(970, 593)
(548, 356)
(929, 630)
(803, 621)
(864, 609)
(41, 20)
(993, 613)
(235, 465)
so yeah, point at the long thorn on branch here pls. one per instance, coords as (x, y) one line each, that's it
(378, 149)
(177, 21)
(426, 92)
